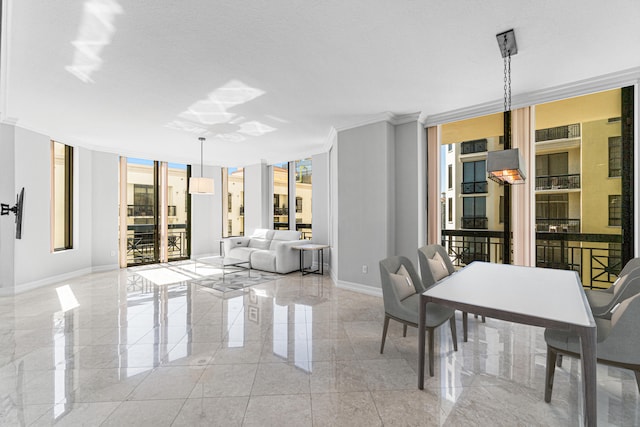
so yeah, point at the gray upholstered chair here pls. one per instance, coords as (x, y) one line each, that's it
(402, 302)
(430, 257)
(627, 285)
(602, 302)
(618, 342)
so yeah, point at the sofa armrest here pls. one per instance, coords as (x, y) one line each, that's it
(287, 258)
(234, 242)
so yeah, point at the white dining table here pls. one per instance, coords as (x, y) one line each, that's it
(529, 295)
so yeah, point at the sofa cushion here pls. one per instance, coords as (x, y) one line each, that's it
(263, 260)
(286, 235)
(259, 243)
(260, 233)
(242, 253)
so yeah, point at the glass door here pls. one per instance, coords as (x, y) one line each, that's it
(142, 221)
(177, 212)
(155, 223)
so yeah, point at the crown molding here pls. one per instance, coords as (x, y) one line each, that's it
(332, 137)
(629, 77)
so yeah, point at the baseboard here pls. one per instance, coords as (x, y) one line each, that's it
(25, 287)
(108, 267)
(359, 287)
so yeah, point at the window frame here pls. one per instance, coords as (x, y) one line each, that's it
(67, 223)
(615, 156)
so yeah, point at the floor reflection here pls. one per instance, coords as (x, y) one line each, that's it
(151, 343)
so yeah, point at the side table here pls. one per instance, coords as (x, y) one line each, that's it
(311, 247)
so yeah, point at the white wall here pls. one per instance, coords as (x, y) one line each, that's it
(8, 192)
(104, 210)
(366, 202)
(258, 201)
(320, 199)
(35, 264)
(206, 216)
(407, 195)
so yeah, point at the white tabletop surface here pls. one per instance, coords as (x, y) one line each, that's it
(540, 292)
(309, 246)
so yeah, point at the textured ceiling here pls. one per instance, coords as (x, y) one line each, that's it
(267, 80)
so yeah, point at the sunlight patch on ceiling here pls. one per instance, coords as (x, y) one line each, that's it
(211, 116)
(254, 128)
(95, 32)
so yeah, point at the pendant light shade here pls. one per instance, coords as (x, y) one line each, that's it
(201, 185)
(505, 166)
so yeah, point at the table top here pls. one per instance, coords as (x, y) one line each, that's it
(538, 292)
(310, 246)
(222, 261)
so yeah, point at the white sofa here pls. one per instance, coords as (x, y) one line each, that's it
(268, 250)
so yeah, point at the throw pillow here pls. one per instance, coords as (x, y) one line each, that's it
(438, 269)
(437, 257)
(403, 285)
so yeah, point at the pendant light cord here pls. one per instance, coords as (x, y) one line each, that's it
(507, 75)
(202, 139)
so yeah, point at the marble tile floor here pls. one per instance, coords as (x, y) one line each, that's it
(117, 348)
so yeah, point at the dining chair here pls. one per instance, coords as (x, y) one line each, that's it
(435, 265)
(618, 343)
(627, 285)
(401, 290)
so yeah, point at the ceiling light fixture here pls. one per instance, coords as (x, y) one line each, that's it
(506, 166)
(201, 185)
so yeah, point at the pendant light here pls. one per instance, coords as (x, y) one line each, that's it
(506, 166)
(201, 185)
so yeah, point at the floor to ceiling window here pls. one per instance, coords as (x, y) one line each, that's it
(281, 196)
(579, 205)
(473, 227)
(233, 203)
(156, 220)
(577, 182)
(177, 211)
(303, 197)
(61, 196)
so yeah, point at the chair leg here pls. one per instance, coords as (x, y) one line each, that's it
(551, 370)
(465, 316)
(384, 332)
(559, 362)
(404, 330)
(430, 332)
(484, 320)
(454, 335)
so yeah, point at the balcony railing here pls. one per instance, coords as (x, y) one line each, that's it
(474, 187)
(475, 222)
(558, 225)
(589, 255)
(558, 182)
(141, 243)
(560, 132)
(147, 210)
(280, 210)
(466, 246)
(475, 146)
